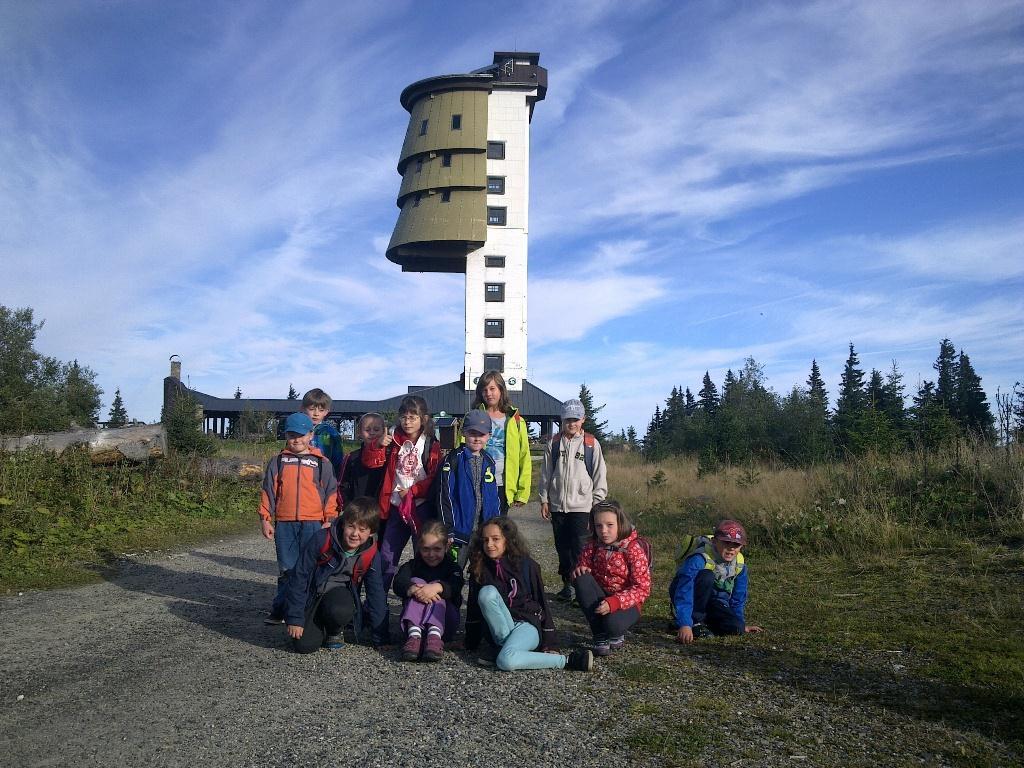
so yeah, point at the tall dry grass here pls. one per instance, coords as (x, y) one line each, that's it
(966, 492)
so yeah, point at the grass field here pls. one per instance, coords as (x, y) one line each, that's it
(898, 583)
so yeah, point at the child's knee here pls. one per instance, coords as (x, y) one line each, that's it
(489, 595)
(504, 660)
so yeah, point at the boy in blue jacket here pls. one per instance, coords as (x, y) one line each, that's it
(468, 492)
(709, 591)
(323, 595)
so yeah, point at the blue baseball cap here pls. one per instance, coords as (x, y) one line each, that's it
(477, 421)
(299, 423)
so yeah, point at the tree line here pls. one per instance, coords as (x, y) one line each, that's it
(745, 420)
(39, 393)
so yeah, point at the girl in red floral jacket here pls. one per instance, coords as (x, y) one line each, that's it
(612, 577)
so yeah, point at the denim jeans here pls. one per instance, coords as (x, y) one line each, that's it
(290, 538)
(518, 639)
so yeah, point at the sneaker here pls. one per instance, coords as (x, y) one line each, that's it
(273, 618)
(566, 593)
(334, 642)
(702, 631)
(616, 643)
(433, 648)
(601, 648)
(411, 649)
(581, 660)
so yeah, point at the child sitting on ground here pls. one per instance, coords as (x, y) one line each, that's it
(317, 404)
(468, 486)
(506, 600)
(612, 578)
(323, 595)
(299, 498)
(430, 586)
(362, 471)
(709, 591)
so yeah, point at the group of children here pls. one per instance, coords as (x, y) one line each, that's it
(335, 569)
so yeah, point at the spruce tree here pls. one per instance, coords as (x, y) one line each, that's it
(81, 394)
(238, 393)
(852, 400)
(975, 415)
(946, 377)
(690, 404)
(118, 414)
(816, 389)
(932, 424)
(590, 422)
(631, 437)
(893, 397)
(876, 398)
(707, 397)
(292, 394)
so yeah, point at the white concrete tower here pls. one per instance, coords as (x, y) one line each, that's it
(464, 200)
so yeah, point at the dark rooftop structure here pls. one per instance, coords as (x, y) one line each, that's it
(535, 405)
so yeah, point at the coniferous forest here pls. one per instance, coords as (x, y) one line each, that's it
(744, 420)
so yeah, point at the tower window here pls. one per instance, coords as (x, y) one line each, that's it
(446, 159)
(497, 216)
(423, 127)
(496, 185)
(494, 291)
(494, 329)
(446, 196)
(495, 150)
(456, 122)
(494, 261)
(416, 200)
(419, 164)
(494, 363)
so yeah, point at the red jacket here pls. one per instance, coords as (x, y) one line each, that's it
(419, 490)
(621, 570)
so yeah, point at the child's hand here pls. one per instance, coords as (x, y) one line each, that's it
(402, 492)
(386, 439)
(684, 635)
(545, 510)
(268, 529)
(294, 631)
(327, 524)
(579, 571)
(603, 609)
(753, 628)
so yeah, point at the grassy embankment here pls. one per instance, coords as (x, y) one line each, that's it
(894, 582)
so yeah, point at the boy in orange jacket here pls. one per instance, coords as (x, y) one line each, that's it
(300, 496)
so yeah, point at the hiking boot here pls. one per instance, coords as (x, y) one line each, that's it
(600, 646)
(616, 643)
(581, 660)
(334, 642)
(566, 593)
(412, 647)
(273, 618)
(433, 648)
(487, 656)
(702, 631)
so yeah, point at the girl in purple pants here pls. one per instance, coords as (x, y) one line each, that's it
(430, 586)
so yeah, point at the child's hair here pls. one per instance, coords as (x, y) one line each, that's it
(434, 528)
(362, 511)
(611, 505)
(515, 545)
(370, 415)
(503, 402)
(316, 397)
(416, 404)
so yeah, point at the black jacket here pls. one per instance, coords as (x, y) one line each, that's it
(529, 604)
(359, 480)
(447, 572)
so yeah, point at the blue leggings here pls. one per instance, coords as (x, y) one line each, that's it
(518, 639)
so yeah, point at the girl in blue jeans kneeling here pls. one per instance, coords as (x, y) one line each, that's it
(507, 603)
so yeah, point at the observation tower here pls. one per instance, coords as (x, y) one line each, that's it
(464, 200)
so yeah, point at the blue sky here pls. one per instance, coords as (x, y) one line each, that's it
(709, 181)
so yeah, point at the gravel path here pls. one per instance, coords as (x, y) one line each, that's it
(169, 663)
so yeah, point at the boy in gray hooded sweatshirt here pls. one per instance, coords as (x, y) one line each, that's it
(573, 479)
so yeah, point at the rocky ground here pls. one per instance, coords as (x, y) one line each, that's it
(167, 662)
